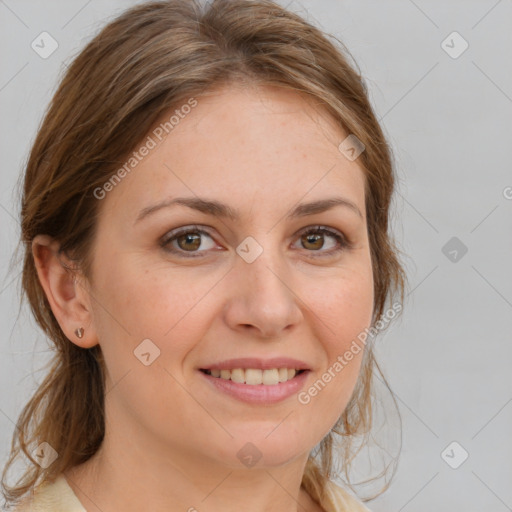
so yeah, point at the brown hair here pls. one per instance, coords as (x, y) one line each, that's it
(143, 63)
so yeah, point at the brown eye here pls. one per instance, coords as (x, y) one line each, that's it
(314, 241)
(188, 240)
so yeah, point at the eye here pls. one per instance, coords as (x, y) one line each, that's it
(189, 240)
(313, 239)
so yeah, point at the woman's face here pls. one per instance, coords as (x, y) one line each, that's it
(167, 305)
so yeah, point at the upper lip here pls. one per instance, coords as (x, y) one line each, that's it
(257, 363)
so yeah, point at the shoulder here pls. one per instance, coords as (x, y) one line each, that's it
(56, 496)
(344, 500)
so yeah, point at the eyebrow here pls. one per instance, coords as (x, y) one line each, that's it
(218, 209)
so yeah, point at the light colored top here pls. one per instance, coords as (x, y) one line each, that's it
(58, 496)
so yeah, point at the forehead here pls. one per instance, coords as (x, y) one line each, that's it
(243, 143)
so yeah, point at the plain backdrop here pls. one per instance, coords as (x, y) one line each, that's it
(445, 102)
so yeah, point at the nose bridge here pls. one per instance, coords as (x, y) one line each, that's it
(263, 292)
(267, 275)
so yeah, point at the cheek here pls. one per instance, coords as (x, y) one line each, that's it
(134, 306)
(343, 311)
(138, 297)
(167, 306)
(345, 308)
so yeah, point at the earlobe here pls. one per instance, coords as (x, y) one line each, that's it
(68, 299)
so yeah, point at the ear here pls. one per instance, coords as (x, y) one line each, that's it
(69, 300)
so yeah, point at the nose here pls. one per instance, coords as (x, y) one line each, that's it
(263, 299)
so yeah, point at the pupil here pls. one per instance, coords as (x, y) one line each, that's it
(191, 238)
(314, 238)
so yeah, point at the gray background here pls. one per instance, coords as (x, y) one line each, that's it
(449, 120)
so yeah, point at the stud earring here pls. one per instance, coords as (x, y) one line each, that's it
(79, 332)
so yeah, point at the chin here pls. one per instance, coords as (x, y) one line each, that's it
(258, 451)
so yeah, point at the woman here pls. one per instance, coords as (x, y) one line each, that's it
(205, 217)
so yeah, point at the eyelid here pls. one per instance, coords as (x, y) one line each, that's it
(321, 228)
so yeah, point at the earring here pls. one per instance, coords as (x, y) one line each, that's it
(79, 332)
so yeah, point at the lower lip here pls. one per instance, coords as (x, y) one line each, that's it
(259, 393)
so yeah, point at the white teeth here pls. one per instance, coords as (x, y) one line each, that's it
(254, 376)
(270, 377)
(283, 374)
(237, 375)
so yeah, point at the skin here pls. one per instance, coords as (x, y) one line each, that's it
(171, 439)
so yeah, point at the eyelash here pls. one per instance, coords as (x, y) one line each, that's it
(343, 243)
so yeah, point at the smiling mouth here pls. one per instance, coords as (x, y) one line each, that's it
(255, 376)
